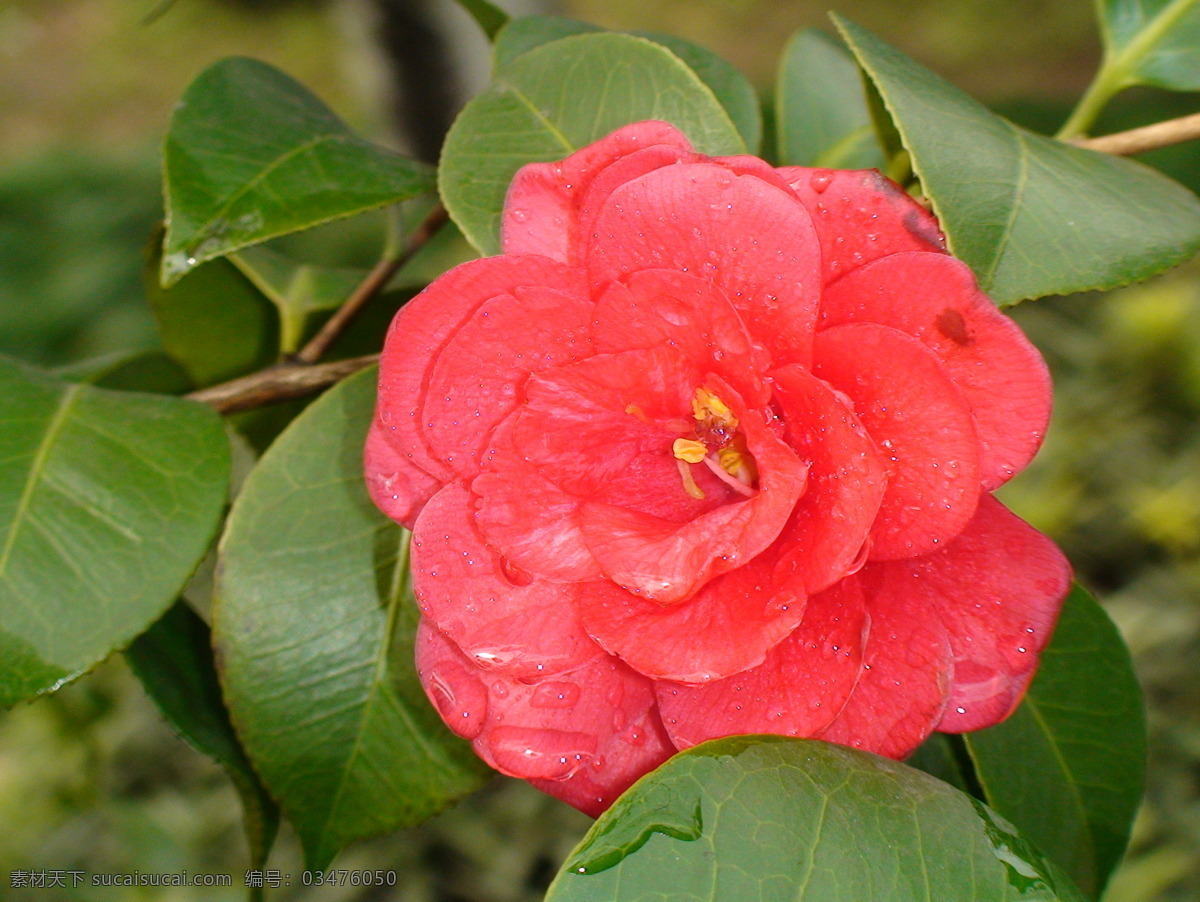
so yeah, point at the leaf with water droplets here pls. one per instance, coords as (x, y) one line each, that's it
(252, 154)
(1067, 766)
(765, 817)
(314, 625)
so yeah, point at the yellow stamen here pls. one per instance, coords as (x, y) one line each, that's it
(738, 463)
(689, 450)
(689, 481)
(634, 410)
(707, 406)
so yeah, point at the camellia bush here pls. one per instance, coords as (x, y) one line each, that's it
(668, 489)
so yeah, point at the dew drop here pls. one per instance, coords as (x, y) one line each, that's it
(554, 695)
(820, 181)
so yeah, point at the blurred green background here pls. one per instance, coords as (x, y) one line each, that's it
(92, 779)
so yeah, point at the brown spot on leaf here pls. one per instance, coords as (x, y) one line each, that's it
(950, 323)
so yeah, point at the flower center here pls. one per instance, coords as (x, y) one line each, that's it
(717, 444)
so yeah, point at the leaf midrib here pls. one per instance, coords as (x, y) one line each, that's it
(376, 691)
(1072, 784)
(57, 422)
(986, 279)
(201, 233)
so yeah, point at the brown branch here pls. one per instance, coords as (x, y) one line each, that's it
(1149, 137)
(301, 375)
(371, 286)
(279, 383)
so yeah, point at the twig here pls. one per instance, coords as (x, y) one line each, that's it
(279, 383)
(1149, 137)
(371, 286)
(300, 374)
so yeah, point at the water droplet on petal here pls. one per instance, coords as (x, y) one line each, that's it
(820, 181)
(554, 694)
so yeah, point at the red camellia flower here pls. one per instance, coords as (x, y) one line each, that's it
(708, 451)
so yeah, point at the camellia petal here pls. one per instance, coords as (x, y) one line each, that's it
(752, 608)
(423, 327)
(750, 238)
(655, 307)
(594, 200)
(905, 681)
(397, 486)
(861, 216)
(583, 736)
(500, 618)
(828, 533)
(922, 425)
(478, 378)
(582, 427)
(935, 299)
(997, 588)
(799, 688)
(540, 210)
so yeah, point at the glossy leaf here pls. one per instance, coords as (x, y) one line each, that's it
(488, 16)
(251, 154)
(523, 34)
(557, 98)
(313, 624)
(821, 113)
(108, 500)
(1154, 42)
(298, 290)
(1030, 215)
(174, 662)
(1067, 767)
(728, 85)
(213, 322)
(764, 817)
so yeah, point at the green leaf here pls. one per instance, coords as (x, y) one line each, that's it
(765, 817)
(251, 154)
(522, 35)
(298, 290)
(108, 501)
(728, 85)
(152, 371)
(213, 322)
(488, 16)
(1030, 215)
(1155, 42)
(557, 98)
(313, 624)
(1067, 767)
(821, 113)
(943, 756)
(174, 662)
